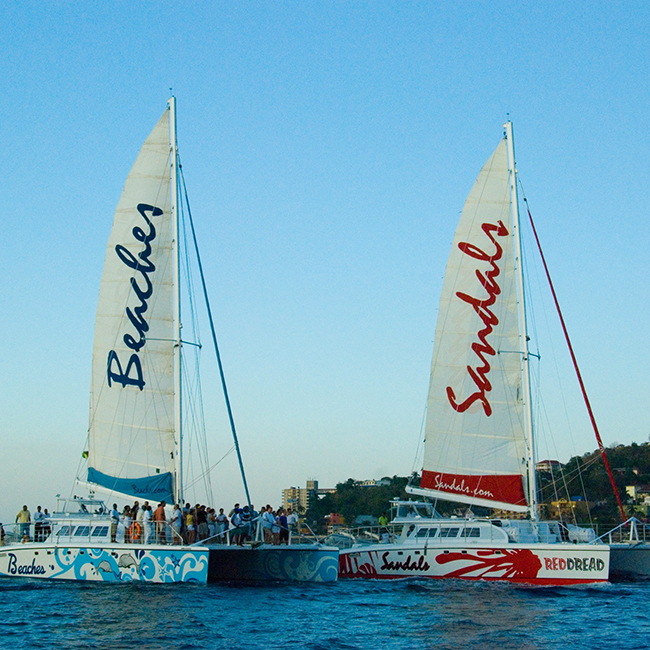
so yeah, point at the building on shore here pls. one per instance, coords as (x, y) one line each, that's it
(549, 466)
(301, 499)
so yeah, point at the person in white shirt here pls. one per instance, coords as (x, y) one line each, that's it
(175, 522)
(292, 521)
(268, 521)
(222, 526)
(148, 527)
(127, 519)
(38, 524)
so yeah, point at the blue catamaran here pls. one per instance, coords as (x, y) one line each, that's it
(135, 436)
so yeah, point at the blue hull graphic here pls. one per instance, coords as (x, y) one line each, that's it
(298, 563)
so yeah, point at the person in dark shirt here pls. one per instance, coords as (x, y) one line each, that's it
(202, 522)
(284, 528)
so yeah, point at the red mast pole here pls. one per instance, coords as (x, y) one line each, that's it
(575, 365)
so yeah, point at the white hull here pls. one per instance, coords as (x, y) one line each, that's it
(541, 564)
(106, 562)
(166, 564)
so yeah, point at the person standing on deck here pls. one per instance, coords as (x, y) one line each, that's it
(267, 524)
(222, 526)
(201, 522)
(24, 517)
(292, 521)
(115, 520)
(161, 520)
(38, 524)
(127, 519)
(246, 518)
(146, 520)
(175, 523)
(284, 527)
(383, 530)
(47, 529)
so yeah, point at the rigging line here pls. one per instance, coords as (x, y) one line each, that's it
(418, 461)
(196, 419)
(582, 484)
(214, 341)
(603, 453)
(209, 470)
(195, 390)
(200, 430)
(563, 477)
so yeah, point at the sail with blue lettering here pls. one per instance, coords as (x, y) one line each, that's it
(131, 432)
(475, 449)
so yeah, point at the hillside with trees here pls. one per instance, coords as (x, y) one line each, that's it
(583, 482)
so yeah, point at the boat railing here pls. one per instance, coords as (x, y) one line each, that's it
(631, 531)
(26, 532)
(99, 530)
(96, 531)
(347, 537)
(297, 536)
(252, 534)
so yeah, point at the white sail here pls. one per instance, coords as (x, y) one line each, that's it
(475, 445)
(131, 432)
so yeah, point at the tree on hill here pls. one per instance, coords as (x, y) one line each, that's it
(583, 476)
(586, 476)
(352, 499)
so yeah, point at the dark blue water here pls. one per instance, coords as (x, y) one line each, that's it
(345, 615)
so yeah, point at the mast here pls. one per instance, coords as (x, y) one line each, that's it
(523, 329)
(176, 309)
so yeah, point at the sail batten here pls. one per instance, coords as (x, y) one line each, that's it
(475, 446)
(132, 430)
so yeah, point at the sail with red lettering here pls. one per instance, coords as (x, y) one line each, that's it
(131, 433)
(475, 449)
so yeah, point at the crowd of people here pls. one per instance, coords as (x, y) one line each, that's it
(186, 525)
(190, 524)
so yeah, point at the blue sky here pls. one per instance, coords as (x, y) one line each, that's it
(328, 150)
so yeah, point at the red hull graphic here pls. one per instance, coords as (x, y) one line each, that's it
(520, 565)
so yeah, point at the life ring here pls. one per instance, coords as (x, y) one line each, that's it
(135, 530)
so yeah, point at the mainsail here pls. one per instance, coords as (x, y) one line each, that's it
(475, 449)
(131, 432)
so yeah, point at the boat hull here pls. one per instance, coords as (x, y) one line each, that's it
(630, 561)
(293, 563)
(106, 563)
(168, 564)
(541, 564)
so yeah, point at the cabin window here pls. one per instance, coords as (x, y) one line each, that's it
(82, 531)
(422, 532)
(100, 531)
(66, 530)
(449, 532)
(471, 532)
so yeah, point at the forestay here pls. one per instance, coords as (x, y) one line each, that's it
(131, 433)
(475, 443)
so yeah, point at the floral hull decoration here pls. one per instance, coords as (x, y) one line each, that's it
(118, 563)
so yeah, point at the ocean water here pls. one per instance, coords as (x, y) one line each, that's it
(344, 615)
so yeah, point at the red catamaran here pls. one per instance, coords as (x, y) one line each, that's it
(479, 447)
